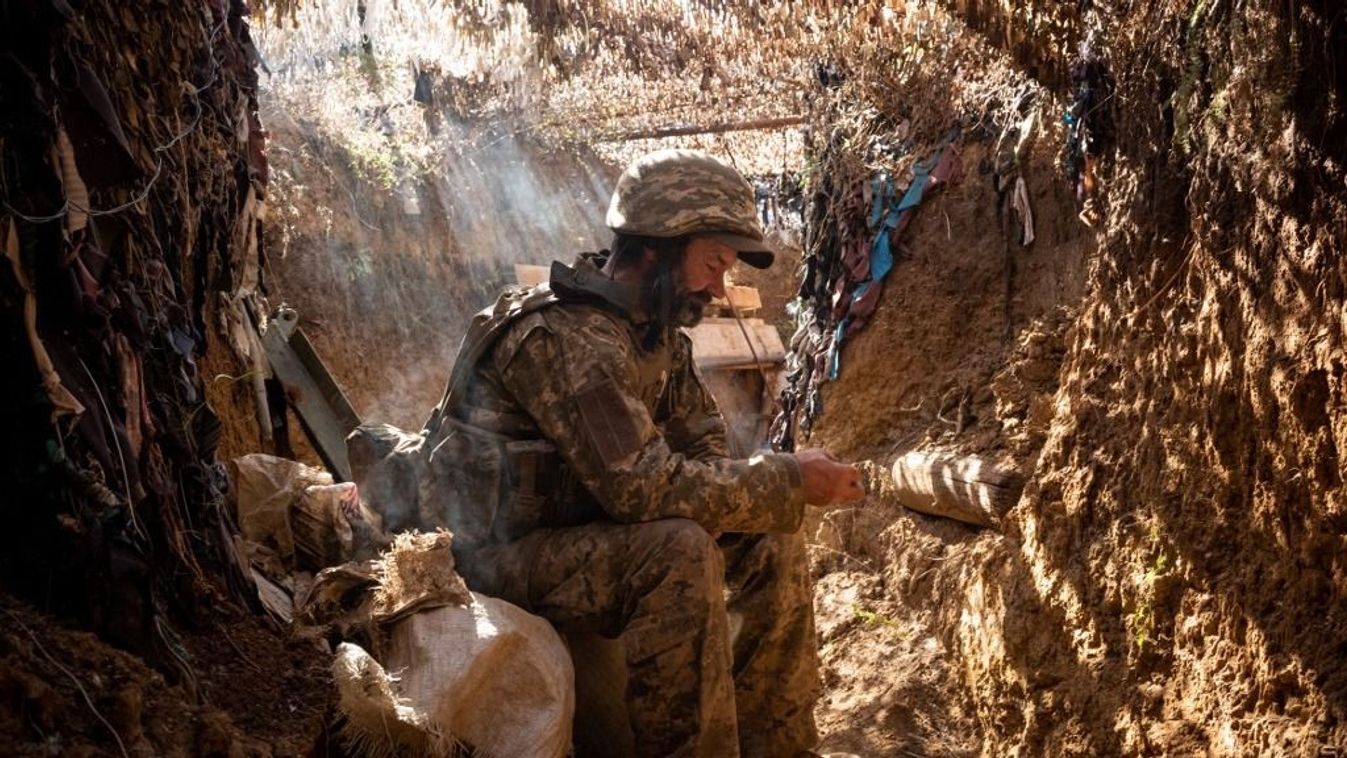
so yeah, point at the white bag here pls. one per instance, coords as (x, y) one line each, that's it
(265, 488)
(489, 675)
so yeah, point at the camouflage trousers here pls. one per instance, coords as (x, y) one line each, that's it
(718, 634)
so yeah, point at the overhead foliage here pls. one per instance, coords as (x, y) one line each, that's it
(598, 71)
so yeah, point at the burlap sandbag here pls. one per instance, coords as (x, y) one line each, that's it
(489, 675)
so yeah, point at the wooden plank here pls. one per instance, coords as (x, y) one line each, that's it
(746, 299)
(746, 407)
(965, 488)
(327, 385)
(530, 275)
(274, 598)
(322, 407)
(719, 343)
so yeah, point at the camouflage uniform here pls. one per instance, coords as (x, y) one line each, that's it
(608, 483)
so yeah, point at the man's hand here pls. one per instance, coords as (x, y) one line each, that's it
(827, 481)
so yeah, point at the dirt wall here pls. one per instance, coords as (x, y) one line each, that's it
(962, 354)
(385, 281)
(1174, 579)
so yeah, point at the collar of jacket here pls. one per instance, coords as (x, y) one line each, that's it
(586, 280)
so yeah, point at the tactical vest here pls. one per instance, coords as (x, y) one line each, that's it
(484, 486)
(481, 485)
(486, 328)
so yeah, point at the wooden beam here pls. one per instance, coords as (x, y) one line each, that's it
(719, 343)
(719, 128)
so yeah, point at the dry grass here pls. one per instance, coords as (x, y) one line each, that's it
(569, 72)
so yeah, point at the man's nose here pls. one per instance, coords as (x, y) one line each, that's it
(717, 286)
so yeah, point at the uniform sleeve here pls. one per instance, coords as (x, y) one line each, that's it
(575, 374)
(695, 426)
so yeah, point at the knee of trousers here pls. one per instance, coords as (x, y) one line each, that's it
(676, 594)
(681, 557)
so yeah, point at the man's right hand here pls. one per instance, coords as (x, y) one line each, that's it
(828, 481)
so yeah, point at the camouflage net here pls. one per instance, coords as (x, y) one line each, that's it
(130, 201)
(603, 72)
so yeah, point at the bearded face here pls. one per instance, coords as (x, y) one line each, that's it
(691, 308)
(701, 277)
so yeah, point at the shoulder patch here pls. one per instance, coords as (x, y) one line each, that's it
(609, 425)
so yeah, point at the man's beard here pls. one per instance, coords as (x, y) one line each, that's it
(691, 308)
(670, 306)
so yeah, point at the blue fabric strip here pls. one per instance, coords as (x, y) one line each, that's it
(835, 352)
(882, 192)
(921, 174)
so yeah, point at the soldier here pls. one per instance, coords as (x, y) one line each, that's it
(583, 467)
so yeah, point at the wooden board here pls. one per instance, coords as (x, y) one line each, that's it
(274, 598)
(746, 299)
(964, 488)
(747, 409)
(529, 275)
(720, 343)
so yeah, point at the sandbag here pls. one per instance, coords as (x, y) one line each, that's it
(379, 721)
(321, 532)
(489, 675)
(415, 573)
(265, 488)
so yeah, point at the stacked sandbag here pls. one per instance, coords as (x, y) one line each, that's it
(440, 668)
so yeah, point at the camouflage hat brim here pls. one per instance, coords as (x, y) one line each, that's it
(755, 253)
